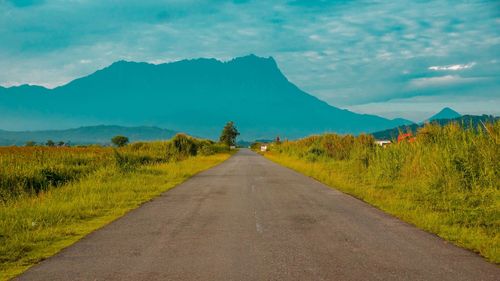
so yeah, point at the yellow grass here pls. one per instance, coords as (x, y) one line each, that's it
(34, 227)
(446, 182)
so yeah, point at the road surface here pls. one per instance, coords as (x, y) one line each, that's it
(252, 219)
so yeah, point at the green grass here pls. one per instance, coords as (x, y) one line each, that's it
(446, 182)
(34, 228)
(29, 170)
(50, 197)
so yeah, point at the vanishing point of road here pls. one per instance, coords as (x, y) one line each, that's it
(252, 219)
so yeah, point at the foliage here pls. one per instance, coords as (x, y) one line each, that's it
(30, 143)
(213, 148)
(50, 143)
(229, 134)
(119, 141)
(182, 146)
(30, 170)
(27, 171)
(446, 181)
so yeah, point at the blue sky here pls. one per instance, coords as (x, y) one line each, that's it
(392, 58)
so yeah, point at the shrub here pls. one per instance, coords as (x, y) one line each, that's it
(181, 147)
(30, 143)
(119, 141)
(50, 143)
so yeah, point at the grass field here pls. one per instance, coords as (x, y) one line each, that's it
(52, 197)
(447, 181)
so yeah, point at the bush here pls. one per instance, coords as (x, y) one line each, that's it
(181, 147)
(30, 143)
(50, 143)
(119, 141)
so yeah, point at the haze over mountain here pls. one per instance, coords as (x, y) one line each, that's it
(194, 96)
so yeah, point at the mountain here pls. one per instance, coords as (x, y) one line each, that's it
(403, 121)
(445, 113)
(196, 96)
(85, 135)
(466, 121)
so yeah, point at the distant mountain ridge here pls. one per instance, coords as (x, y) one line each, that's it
(445, 113)
(196, 96)
(465, 120)
(101, 134)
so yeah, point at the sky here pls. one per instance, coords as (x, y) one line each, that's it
(391, 58)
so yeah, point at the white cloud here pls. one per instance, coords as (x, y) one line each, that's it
(443, 81)
(8, 84)
(453, 67)
(346, 54)
(318, 38)
(312, 55)
(433, 81)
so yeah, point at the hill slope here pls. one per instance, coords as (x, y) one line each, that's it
(85, 135)
(197, 96)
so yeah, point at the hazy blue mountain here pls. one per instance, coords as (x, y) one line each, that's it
(85, 135)
(466, 121)
(196, 96)
(445, 113)
(403, 121)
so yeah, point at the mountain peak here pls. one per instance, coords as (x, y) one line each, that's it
(445, 113)
(194, 95)
(126, 63)
(256, 66)
(253, 59)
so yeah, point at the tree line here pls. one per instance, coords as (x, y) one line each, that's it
(228, 137)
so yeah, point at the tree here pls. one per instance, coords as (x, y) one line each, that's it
(60, 143)
(119, 140)
(229, 134)
(30, 143)
(50, 143)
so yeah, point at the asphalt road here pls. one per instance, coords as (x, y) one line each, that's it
(251, 219)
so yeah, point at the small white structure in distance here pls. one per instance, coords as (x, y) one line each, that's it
(263, 148)
(232, 147)
(383, 143)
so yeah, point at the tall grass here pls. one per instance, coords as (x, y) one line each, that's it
(33, 169)
(51, 197)
(446, 182)
(30, 170)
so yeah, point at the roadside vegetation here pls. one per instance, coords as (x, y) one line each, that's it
(229, 134)
(50, 196)
(446, 180)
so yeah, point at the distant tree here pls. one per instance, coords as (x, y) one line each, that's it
(30, 143)
(119, 140)
(60, 143)
(229, 134)
(278, 140)
(50, 143)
